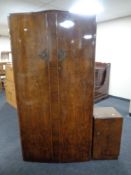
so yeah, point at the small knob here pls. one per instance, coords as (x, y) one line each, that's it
(44, 55)
(98, 133)
(61, 54)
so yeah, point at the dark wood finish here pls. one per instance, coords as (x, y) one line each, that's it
(2, 68)
(76, 88)
(102, 75)
(54, 77)
(54, 85)
(31, 73)
(107, 133)
(2, 74)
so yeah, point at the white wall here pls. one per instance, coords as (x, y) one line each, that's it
(4, 44)
(113, 45)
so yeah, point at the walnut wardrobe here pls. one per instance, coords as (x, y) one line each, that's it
(53, 59)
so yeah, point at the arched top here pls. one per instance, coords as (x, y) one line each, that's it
(52, 11)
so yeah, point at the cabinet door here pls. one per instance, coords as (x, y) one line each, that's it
(31, 70)
(107, 137)
(76, 48)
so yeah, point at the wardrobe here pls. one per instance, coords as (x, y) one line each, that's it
(53, 60)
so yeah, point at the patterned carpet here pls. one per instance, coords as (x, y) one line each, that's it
(11, 162)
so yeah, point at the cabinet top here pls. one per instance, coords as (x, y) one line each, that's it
(106, 112)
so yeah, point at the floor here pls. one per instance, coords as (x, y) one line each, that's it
(11, 162)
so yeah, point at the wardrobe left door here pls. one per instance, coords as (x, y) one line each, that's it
(30, 61)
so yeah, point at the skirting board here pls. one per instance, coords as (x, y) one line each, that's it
(121, 98)
(124, 100)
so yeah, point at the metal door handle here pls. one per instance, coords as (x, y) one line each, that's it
(44, 54)
(61, 54)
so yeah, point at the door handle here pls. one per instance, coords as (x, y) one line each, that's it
(61, 54)
(44, 55)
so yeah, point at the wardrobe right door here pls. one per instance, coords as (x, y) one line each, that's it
(76, 53)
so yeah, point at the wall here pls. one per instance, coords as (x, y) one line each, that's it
(113, 44)
(4, 44)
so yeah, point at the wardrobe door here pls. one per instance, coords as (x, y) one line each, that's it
(76, 48)
(31, 70)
